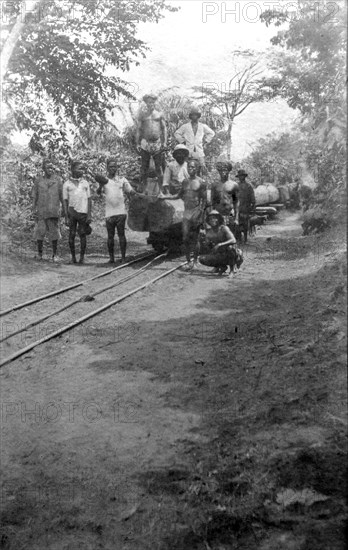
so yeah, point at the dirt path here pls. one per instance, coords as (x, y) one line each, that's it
(203, 413)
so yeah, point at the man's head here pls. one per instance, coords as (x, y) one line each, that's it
(48, 167)
(192, 168)
(224, 168)
(215, 219)
(181, 154)
(241, 175)
(195, 114)
(150, 101)
(112, 166)
(77, 169)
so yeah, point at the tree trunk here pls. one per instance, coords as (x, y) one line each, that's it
(11, 42)
(229, 139)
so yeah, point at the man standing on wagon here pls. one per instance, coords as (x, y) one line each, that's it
(151, 139)
(195, 135)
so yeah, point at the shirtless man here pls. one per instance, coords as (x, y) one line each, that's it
(151, 139)
(225, 195)
(194, 194)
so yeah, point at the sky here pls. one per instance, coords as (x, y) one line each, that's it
(196, 45)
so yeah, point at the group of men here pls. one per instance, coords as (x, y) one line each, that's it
(226, 212)
(74, 196)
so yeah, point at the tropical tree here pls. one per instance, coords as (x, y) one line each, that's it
(70, 55)
(311, 68)
(247, 85)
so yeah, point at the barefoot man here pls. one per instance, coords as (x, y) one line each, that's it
(47, 198)
(77, 208)
(151, 139)
(194, 194)
(115, 188)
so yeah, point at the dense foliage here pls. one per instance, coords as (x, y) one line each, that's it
(311, 67)
(70, 55)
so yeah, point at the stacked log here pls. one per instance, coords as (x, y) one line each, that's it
(266, 194)
(162, 214)
(148, 213)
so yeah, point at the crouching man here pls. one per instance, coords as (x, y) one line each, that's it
(115, 188)
(221, 246)
(77, 208)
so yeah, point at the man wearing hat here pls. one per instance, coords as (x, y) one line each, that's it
(176, 171)
(77, 209)
(246, 204)
(115, 188)
(195, 135)
(151, 138)
(47, 198)
(221, 246)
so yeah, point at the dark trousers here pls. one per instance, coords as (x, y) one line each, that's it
(159, 161)
(77, 222)
(113, 224)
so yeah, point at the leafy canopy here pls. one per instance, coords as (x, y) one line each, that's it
(69, 53)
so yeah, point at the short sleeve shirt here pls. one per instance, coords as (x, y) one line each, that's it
(77, 192)
(115, 191)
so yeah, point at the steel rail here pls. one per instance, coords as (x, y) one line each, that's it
(71, 287)
(81, 299)
(68, 327)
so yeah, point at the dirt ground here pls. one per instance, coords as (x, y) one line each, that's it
(202, 413)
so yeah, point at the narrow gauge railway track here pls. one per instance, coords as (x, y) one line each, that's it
(75, 285)
(90, 314)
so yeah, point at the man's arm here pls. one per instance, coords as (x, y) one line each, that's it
(164, 133)
(102, 180)
(35, 196)
(60, 193)
(89, 211)
(128, 189)
(138, 130)
(235, 202)
(203, 198)
(66, 202)
(208, 133)
(166, 180)
(252, 199)
(180, 134)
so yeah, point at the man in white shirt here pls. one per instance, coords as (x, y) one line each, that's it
(176, 171)
(115, 188)
(77, 209)
(195, 135)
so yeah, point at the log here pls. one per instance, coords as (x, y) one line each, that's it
(139, 206)
(284, 193)
(266, 211)
(138, 213)
(162, 214)
(266, 194)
